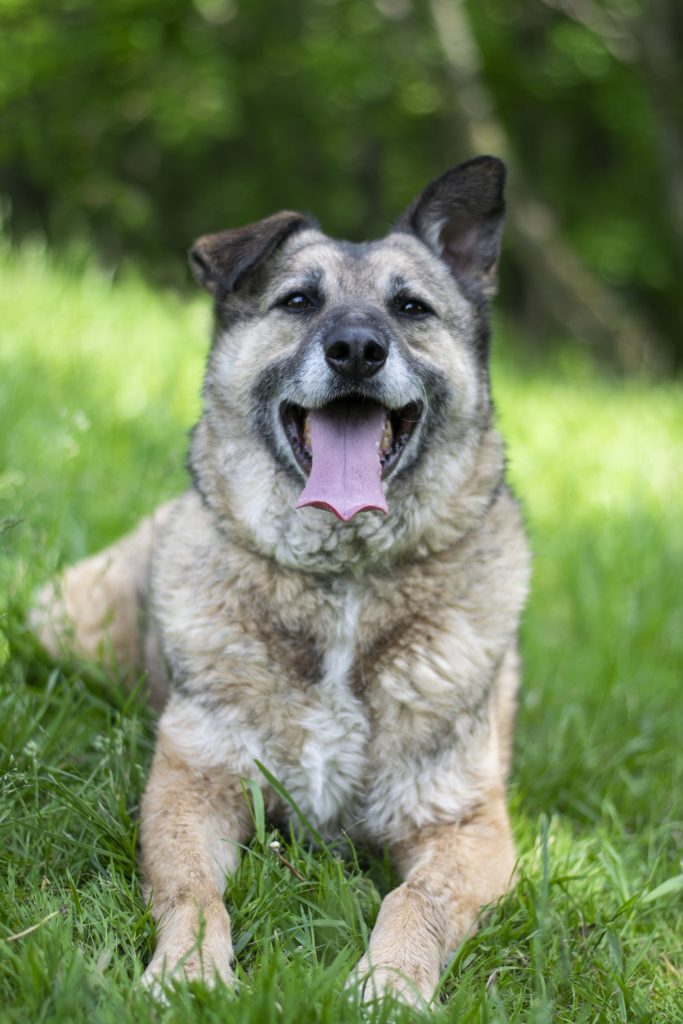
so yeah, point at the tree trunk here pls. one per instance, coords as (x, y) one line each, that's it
(567, 293)
(665, 83)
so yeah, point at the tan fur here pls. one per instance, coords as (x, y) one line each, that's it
(450, 871)
(209, 817)
(95, 609)
(370, 665)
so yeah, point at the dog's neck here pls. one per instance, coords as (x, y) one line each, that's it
(258, 513)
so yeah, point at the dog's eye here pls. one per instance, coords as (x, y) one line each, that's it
(297, 301)
(411, 307)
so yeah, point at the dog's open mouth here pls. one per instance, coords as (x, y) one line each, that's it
(346, 449)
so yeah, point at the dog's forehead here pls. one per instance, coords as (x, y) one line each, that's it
(377, 266)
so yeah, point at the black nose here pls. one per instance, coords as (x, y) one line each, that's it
(355, 352)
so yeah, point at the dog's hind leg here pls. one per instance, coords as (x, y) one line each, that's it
(96, 609)
(505, 705)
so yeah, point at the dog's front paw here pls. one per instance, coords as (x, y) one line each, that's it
(197, 965)
(411, 982)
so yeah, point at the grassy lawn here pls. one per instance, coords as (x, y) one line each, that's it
(98, 386)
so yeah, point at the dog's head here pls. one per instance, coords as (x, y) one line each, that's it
(350, 377)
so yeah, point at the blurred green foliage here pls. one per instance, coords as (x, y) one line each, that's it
(135, 126)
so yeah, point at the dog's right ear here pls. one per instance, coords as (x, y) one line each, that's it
(221, 261)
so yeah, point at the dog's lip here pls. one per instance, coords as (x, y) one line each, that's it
(399, 426)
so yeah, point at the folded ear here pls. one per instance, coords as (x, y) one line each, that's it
(221, 261)
(460, 218)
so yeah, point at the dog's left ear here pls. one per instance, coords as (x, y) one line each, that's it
(222, 261)
(460, 216)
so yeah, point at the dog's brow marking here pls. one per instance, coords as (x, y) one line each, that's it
(309, 279)
(313, 277)
(419, 289)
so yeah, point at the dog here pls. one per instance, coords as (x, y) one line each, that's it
(337, 596)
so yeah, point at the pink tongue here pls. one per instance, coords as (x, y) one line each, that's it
(345, 476)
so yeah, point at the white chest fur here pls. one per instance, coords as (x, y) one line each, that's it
(320, 752)
(336, 729)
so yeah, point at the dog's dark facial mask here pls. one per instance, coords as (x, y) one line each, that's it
(354, 396)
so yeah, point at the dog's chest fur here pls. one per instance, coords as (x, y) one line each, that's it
(333, 759)
(287, 695)
(361, 695)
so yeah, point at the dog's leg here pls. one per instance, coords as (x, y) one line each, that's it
(191, 822)
(450, 871)
(94, 610)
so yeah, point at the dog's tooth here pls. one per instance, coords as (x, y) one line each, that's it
(387, 437)
(307, 433)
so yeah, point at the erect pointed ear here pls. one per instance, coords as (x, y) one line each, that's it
(460, 218)
(221, 261)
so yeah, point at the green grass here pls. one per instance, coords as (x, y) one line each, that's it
(98, 386)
